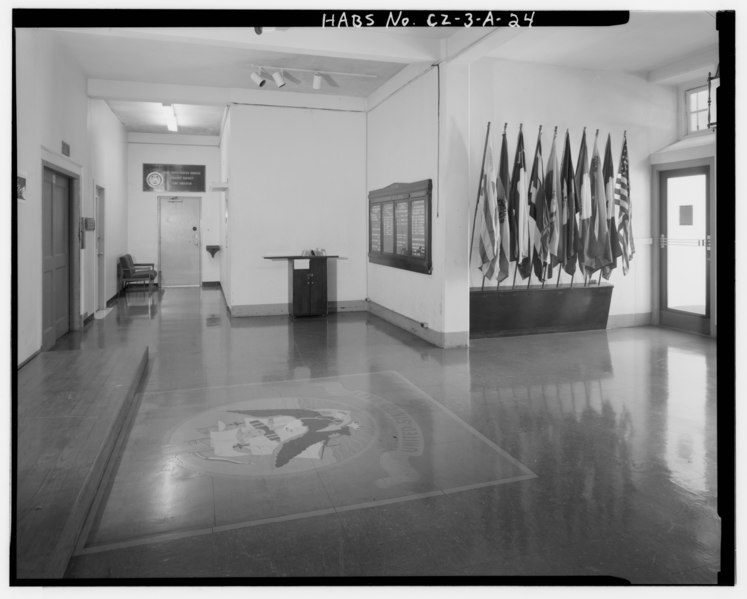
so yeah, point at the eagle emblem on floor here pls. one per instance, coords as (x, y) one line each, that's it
(284, 433)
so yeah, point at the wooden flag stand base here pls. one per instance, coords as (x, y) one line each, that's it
(551, 309)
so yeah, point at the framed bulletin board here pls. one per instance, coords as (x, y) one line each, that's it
(399, 226)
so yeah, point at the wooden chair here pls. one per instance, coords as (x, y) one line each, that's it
(136, 272)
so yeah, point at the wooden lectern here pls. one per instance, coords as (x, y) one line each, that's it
(307, 284)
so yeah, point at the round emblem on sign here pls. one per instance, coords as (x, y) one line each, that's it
(154, 179)
(272, 436)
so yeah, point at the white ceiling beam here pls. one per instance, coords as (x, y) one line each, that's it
(173, 139)
(689, 68)
(137, 91)
(407, 74)
(216, 96)
(473, 43)
(353, 43)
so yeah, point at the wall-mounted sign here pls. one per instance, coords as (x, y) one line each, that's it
(174, 177)
(399, 226)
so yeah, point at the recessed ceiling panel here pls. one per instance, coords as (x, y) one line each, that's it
(125, 58)
(148, 117)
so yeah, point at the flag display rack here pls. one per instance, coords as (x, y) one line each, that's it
(550, 216)
(551, 309)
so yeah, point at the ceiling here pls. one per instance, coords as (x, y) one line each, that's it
(354, 62)
(649, 41)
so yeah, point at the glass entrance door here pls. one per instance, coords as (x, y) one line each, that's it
(685, 249)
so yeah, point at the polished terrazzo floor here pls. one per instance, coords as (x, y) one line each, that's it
(345, 447)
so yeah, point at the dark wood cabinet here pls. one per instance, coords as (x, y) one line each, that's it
(308, 288)
(307, 284)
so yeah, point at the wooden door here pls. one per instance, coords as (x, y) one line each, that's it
(318, 287)
(55, 257)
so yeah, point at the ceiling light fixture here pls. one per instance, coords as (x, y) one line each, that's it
(168, 112)
(258, 79)
(277, 76)
(316, 82)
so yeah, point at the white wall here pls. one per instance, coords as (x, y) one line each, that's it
(296, 181)
(513, 92)
(52, 106)
(143, 205)
(108, 152)
(402, 147)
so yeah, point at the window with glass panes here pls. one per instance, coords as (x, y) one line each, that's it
(696, 101)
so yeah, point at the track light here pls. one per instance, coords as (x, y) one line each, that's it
(318, 79)
(258, 79)
(168, 112)
(278, 78)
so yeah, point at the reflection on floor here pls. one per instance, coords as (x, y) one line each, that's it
(343, 446)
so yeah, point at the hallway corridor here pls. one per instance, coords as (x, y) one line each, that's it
(345, 447)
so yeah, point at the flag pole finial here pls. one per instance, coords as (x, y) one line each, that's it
(520, 126)
(555, 133)
(540, 130)
(505, 126)
(625, 134)
(597, 133)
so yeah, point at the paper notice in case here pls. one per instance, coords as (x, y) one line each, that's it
(418, 228)
(387, 217)
(300, 264)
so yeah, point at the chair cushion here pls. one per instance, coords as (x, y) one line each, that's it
(129, 272)
(143, 274)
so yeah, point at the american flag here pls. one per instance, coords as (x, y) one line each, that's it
(622, 200)
(518, 206)
(489, 232)
(502, 189)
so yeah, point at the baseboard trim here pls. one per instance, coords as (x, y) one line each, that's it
(259, 310)
(348, 306)
(31, 357)
(622, 321)
(211, 284)
(437, 338)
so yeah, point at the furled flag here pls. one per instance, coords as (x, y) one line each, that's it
(518, 206)
(488, 217)
(567, 208)
(597, 250)
(502, 186)
(552, 192)
(537, 215)
(622, 199)
(583, 203)
(608, 173)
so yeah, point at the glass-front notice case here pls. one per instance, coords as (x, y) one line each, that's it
(399, 226)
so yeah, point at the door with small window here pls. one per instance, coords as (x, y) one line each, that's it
(179, 241)
(685, 249)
